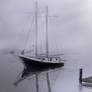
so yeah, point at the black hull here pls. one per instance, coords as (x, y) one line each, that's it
(39, 65)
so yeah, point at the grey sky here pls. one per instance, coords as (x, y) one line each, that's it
(72, 29)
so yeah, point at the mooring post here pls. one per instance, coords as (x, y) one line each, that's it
(80, 75)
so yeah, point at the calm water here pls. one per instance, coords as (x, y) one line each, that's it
(61, 79)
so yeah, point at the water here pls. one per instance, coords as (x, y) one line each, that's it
(61, 79)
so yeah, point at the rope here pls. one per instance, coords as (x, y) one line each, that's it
(28, 36)
(18, 38)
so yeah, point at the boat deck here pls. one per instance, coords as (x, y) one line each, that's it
(35, 62)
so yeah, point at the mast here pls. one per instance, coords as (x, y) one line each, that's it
(47, 31)
(36, 27)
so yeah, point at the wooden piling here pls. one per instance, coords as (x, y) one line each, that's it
(80, 75)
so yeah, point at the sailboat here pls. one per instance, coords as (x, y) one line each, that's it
(41, 61)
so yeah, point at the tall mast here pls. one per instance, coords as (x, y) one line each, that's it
(36, 27)
(47, 31)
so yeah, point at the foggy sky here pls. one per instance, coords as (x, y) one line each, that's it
(71, 29)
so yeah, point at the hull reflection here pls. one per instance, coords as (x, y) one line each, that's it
(30, 71)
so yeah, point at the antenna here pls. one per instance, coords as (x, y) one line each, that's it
(47, 31)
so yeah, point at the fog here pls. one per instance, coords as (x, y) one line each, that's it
(69, 32)
(71, 29)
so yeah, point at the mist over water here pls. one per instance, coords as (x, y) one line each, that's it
(63, 79)
(70, 33)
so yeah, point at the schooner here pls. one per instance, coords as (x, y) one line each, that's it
(41, 61)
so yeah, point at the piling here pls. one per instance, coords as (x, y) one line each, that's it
(80, 75)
